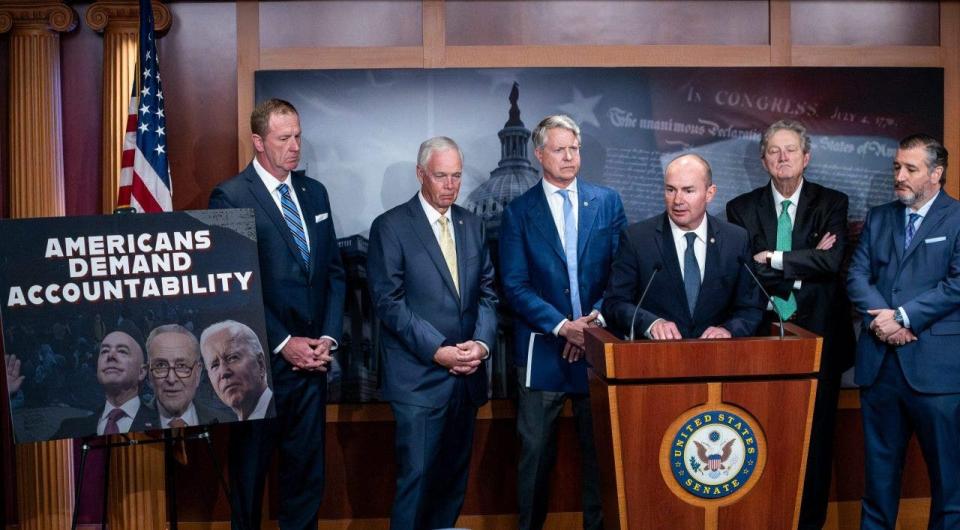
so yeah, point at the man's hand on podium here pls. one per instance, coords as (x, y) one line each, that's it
(715, 332)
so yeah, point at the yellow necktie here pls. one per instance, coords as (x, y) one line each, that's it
(449, 251)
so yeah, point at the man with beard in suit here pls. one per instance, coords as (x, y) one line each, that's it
(798, 237)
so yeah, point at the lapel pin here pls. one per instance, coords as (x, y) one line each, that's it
(712, 240)
(461, 221)
(585, 203)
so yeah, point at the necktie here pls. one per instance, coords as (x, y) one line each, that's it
(113, 417)
(180, 449)
(292, 216)
(177, 422)
(449, 251)
(570, 251)
(911, 230)
(691, 272)
(788, 306)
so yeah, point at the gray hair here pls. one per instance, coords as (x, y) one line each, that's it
(437, 143)
(236, 332)
(785, 125)
(936, 153)
(562, 121)
(174, 328)
(695, 156)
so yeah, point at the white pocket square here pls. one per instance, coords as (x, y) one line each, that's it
(321, 217)
(935, 239)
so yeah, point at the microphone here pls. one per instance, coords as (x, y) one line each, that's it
(746, 265)
(656, 268)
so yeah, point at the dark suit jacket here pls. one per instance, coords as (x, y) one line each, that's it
(146, 419)
(299, 300)
(924, 279)
(728, 296)
(419, 309)
(822, 304)
(210, 416)
(533, 265)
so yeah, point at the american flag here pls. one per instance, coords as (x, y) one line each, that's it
(145, 181)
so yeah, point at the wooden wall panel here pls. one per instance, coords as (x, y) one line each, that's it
(198, 63)
(81, 64)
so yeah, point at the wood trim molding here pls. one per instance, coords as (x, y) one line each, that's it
(866, 56)
(603, 55)
(434, 34)
(343, 57)
(781, 41)
(950, 55)
(248, 62)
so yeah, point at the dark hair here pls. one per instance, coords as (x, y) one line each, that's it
(260, 117)
(936, 152)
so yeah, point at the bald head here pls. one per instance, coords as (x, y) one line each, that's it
(690, 163)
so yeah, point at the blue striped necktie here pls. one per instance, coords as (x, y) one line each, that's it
(570, 251)
(292, 216)
(911, 229)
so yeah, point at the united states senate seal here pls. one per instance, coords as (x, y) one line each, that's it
(714, 452)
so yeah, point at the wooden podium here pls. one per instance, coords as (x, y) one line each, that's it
(705, 434)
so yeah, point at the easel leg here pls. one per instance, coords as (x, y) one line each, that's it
(78, 484)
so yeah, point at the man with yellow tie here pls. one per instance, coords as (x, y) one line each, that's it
(431, 281)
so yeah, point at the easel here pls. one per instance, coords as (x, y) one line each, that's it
(169, 440)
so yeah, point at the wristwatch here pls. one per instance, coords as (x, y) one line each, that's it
(898, 316)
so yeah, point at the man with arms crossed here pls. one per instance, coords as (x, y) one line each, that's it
(556, 244)
(303, 295)
(798, 237)
(431, 281)
(905, 281)
(702, 288)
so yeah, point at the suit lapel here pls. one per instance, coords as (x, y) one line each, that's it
(934, 217)
(801, 222)
(542, 219)
(767, 214)
(711, 269)
(460, 234)
(263, 197)
(587, 216)
(421, 227)
(668, 257)
(309, 214)
(898, 227)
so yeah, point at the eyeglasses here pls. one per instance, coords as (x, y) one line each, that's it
(161, 369)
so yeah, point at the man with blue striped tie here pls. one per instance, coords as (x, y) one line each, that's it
(303, 295)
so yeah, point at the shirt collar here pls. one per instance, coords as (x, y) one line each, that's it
(189, 415)
(923, 211)
(794, 199)
(550, 189)
(678, 233)
(260, 411)
(432, 214)
(130, 408)
(268, 179)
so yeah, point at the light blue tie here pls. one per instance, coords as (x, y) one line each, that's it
(570, 249)
(292, 216)
(691, 272)
(911, 229)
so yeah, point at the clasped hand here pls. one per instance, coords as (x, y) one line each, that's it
(304, 353)
(887, 329)
(572, 331)
(461, 359)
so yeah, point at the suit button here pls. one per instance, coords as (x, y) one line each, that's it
(310, 323)
(570, 317)
(566, 291)
(896, 290)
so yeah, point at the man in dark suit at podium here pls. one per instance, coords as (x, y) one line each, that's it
(303, 295)
(798, 236)
(431, 281)
(905, 281)
(702, 288)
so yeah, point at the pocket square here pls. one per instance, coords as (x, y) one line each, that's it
(321, 217)
(935, 239)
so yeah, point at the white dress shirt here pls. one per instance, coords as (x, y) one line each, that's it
(776, 259)
(131, 407)
(923, 211)
(272, 184)
(680, 242)
(189, 416)
(260, 411)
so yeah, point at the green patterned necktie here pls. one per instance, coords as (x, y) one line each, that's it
(785, 243)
